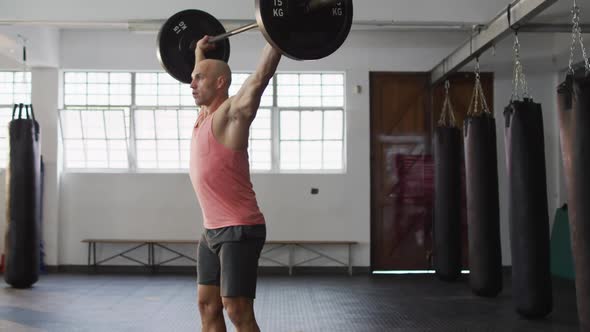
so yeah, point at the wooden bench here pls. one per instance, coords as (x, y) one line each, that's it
(273, 245)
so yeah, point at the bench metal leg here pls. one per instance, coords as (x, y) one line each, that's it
(151, 259)
(349, 260)
(291, 254)
(94, 256)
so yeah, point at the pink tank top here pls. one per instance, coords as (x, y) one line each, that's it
(221, 180)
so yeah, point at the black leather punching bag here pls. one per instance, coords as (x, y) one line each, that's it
(574, 123)
(527, 208)
(23, 201)
(483, 209)
(447, 206)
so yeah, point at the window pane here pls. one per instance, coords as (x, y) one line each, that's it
(167, 124)
(160, 89)
(311, 155)
(260, 154)
(74, 77)
(15, 87)
(98, 89)
(168, 153)
(332, 90)
(287, 101)
(311, 90)
(333, 79)
(260, 128)
(74, 153)
(98, 77)
(96, 153)
(333, 101)
(122, 78)
(237, 79)
(187, 120)
(289, 125)
(311, 125)
(289, 155)
(118, 154)
(71, 124)
(98, 100)
(146, 78)
(93, 124)
(310, 79)
(5, 118)
(146, 100)
(144, 124)
(186, 99)
(320, 145)
(267, 96)
(115, 121)
(185, 150)
(291, 79)
(75, 100)
(333, 125)
(146, 154)
(75, 89)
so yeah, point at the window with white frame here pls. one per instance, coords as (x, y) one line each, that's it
(164, 115)
(15, 88)
(94, 138)
(95, 122)
(311, 111)
(299, 125)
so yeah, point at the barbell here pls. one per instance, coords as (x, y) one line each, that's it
(299, 29)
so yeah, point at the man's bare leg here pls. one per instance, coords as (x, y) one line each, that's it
(241, 312)
(211, 308)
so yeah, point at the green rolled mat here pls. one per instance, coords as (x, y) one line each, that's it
(562, 263)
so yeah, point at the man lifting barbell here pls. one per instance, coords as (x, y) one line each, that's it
(235, 229)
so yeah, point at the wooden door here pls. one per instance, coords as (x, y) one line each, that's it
(399, 139)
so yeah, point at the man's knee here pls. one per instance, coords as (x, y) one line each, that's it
(240, 310)
(209, 302)
(210, 308)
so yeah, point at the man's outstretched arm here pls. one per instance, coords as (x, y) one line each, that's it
(244, 104)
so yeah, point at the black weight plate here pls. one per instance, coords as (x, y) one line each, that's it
(177, 34)
(302, 35)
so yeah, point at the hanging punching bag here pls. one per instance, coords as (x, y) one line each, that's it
(527, 209)
(447, 211)
(23, 201)
(481, 180)
(574, 123)
(447, 205)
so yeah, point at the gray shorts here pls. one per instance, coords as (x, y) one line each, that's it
(228, 257)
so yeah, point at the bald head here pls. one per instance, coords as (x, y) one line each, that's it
(217, 69)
